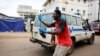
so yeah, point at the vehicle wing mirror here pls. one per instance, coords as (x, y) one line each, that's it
(84, 27)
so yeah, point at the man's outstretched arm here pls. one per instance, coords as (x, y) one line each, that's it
(46, 24)
(57, 32)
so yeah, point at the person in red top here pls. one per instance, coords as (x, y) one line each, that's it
(62, 32)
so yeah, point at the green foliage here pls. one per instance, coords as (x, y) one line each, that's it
(32, 16)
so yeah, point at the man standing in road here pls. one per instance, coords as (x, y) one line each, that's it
(62, 32)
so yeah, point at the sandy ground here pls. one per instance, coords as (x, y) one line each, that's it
(18, 44)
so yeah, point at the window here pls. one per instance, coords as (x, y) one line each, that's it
(68, 19)
(71, 0)
(78, 0)
(90, 13)
(79, 21)
(78, 10)
(74, 20)
(63, 17)
(84, 12)
(88, 5)
(71, 9)
(91, 4)
(84, 1)
(63, 9)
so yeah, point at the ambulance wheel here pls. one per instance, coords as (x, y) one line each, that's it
(91, 39)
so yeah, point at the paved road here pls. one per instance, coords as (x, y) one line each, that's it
(23, 47)
(88, 50)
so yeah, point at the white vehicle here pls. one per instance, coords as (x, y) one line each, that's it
(78, 31)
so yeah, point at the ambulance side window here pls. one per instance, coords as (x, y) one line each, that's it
(68, 19)
(79, 21)
(74, 20)
(63, 17)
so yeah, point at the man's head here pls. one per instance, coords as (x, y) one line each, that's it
(56, 14)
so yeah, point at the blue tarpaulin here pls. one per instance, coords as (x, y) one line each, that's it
(16, 25)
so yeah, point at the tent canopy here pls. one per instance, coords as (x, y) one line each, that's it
(16, 25)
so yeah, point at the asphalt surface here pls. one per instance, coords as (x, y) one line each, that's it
(18, 44)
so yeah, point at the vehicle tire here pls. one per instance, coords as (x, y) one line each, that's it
(72, 48)
(91, 40)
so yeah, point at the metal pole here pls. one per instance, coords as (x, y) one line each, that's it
(98, 11)
(99, 16)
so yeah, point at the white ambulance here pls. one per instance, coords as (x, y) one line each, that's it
(79, 31)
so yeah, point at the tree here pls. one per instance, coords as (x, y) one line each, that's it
(32, 16)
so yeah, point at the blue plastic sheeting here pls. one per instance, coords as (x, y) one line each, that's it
(16, 25)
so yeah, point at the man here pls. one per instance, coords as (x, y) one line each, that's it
(62, 32)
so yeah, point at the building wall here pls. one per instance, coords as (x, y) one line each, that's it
(50, 7)
(93, 10)
(26, 10)
(78, 7)
(74, 6)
